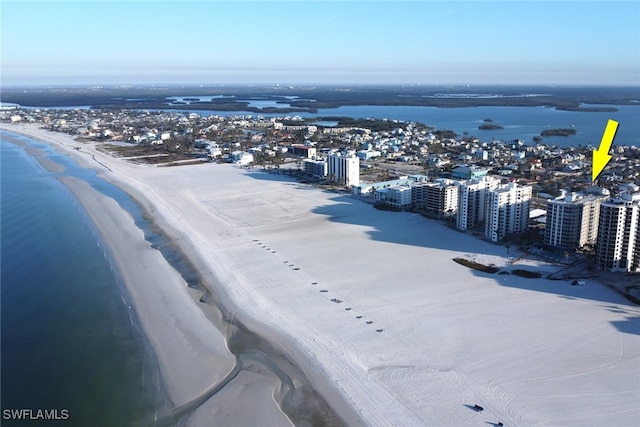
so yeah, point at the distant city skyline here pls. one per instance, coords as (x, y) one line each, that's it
(312, 42)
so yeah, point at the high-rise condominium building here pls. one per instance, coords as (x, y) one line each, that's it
(315, 168)
(439, 197)
(343, 169)
(618, 247)
(471, 201)
(507, 211)
(572, 220)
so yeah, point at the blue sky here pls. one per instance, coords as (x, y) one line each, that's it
(295, 42)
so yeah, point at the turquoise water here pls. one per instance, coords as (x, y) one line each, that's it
(69, 339)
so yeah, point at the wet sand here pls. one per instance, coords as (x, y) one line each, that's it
(204, 381)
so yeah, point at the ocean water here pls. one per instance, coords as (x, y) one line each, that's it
(69, 340)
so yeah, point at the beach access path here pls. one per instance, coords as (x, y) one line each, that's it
(370, 305)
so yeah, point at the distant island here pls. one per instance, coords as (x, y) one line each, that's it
(558, 132)
(309, 99)
(489, 125)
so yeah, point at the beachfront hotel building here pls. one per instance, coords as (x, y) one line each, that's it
(344, 169)
(572, 220)
(507, 211)
(471, 201)
(618, 246)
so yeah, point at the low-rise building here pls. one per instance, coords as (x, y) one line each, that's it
(468, 172)
(368, 154)
(370, 188)
(304, 151)
(398, 196)
(241, 158)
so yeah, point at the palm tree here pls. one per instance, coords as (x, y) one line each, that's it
(278, 159)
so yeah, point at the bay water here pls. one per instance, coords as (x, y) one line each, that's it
(522, 123)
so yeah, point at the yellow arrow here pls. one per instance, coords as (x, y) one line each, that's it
(601, 156)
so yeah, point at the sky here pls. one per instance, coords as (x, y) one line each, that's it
(316, 42)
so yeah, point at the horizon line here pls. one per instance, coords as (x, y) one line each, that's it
(284, 85)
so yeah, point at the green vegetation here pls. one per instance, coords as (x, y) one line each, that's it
(558, 132)
(445, 134)
(385, 207)
(527, 274)
(375, 125)
(563, 98)
(477, 266)
(628, 294)
(490, 126)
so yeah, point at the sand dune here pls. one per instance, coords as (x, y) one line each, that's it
(372, 308)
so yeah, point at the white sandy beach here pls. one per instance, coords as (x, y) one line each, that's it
(179, 332)
(530, 351)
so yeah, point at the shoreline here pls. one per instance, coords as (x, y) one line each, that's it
(245, 231)
(191, 347)
(164, 309)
